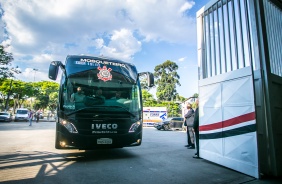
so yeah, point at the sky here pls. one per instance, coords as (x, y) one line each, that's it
(145, 33)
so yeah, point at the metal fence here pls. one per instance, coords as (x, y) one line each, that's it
(226, 38)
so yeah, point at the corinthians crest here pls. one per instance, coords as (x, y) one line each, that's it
(104, 74)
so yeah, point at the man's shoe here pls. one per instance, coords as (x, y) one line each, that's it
(196, 156)
(187, 146)
(191, 147)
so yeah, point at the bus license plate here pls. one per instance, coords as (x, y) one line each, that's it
(104, 141)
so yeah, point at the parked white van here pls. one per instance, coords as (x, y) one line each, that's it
(21, 114)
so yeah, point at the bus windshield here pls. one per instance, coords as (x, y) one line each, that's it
(100, 87)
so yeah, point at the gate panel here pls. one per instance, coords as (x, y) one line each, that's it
(227, 121)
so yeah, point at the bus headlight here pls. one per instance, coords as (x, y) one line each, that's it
(68, 125)
(134, 126)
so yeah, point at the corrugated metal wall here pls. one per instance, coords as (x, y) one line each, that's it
(273, 17)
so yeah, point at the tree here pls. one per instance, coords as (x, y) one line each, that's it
(180, 98)
(146, 95)
(5, 92)
(46, 93)
(53, 99)
(6, 59)
(173, 109)
(17, 90)
(196, 95)
(148, 99)
(21, 91)
(166, 80)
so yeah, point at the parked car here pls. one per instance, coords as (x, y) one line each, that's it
(21, 115)
(173, 123)
(5, 116)
(41, 115)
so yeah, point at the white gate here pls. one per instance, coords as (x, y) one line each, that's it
(240, 85)
(228, 125)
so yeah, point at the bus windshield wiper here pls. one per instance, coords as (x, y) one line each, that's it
(76, 111)
(101, 107)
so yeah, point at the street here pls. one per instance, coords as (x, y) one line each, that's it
(27, 155)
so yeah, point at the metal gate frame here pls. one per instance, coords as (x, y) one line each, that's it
(267, 26)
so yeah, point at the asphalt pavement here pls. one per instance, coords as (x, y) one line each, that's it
(27, 155)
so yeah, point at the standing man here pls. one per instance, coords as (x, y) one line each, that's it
(30, 116)
(37, 116)
(187, 116)
(196, 129)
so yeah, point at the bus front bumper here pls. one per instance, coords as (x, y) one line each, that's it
(88, 142)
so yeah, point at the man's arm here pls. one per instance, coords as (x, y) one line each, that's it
(189, 113)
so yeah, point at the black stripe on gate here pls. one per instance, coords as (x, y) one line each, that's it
(229, 133)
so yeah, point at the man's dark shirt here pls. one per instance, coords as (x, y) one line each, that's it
(196, 120)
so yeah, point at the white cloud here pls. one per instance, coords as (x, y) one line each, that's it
(186, 6)
(122, 45)
(46, 30)
(182, 59)
(98, 43)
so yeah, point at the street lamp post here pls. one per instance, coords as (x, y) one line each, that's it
(35, 70)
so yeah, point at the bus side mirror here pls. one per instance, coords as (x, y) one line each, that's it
(54, 69)
(150, 79)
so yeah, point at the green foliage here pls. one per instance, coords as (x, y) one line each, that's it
(53, 99)
(166, 80)
(196, 95)
(44, 90)
(6, 59)
(146, 95)
(173, 108)
(148, 99)
(37, 95)
(192, 100)
(18, 91)
(180, 98)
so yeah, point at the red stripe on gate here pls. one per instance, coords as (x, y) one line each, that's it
(229, 122)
